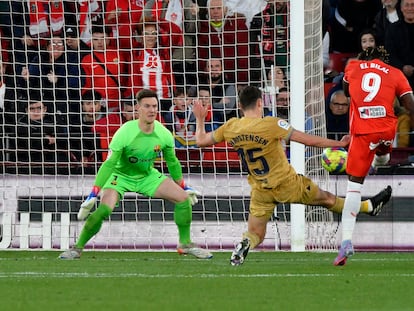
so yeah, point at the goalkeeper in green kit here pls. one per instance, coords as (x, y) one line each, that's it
(129, 167)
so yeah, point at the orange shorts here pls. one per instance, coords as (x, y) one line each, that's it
(363, 148)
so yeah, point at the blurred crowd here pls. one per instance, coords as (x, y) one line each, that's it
(70, 69)
(350, 27)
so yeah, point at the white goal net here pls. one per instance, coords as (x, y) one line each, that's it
(48, 165)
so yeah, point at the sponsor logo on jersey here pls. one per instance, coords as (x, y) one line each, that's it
(371, 112)
(114, 182)
(283, 124)
(132, 159)
(157, 149)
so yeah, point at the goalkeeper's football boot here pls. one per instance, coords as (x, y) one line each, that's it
(73, 253)
(379, 200)
(240, 253)
(194, 250)
(346, 250)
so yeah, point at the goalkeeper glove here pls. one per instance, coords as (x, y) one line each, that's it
(192, 193)
(87, 205)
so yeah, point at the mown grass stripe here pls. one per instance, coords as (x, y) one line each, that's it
(184, 276)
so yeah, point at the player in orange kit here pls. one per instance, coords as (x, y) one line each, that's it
(372, 85)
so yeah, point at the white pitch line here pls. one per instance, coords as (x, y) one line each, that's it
(183, 276)
(263, 260)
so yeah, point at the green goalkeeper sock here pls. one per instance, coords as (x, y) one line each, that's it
(93, 224)
(182, 218)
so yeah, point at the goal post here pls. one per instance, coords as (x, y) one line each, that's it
(308, 105)
(297, 76)
(39, 201)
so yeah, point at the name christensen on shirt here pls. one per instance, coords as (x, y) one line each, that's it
(251, 137)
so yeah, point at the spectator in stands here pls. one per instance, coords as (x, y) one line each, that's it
(76, 48)
(283, 104)
(88, 14)
(402, 138)
(283, 108)
(179, 118)
(389, 14)
(55, 75)
(399, 41)
(326, 39)
(351, 17)
(276, 80)
(224, 37)
(178, 17)
(270, 30)
(107, 126)
(5, 22)
(121, 16)
(46, 18)
(8, 104)
(367, 39)
(223, 92)
(71, 13)
(167, 16)
(25, 47)
(281, 35)
(34, 22)
(5, 35)
(104, 69)
(93, 107)
(151, 66)
(212, 119)
(261, 38)
(83, 141)
(38, 138)
(337, 115)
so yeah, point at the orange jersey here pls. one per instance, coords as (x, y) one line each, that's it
(373, 86)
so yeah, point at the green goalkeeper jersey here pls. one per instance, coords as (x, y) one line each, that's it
(133, 153)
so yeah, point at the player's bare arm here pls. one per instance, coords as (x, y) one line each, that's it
(317, 141)
(203, 139)
(407, 100)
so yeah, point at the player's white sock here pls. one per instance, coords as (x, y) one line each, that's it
(380, 160)
(351, 209)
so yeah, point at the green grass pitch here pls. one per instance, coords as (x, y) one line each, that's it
(37, 280)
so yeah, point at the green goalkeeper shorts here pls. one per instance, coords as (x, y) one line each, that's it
(147, 185)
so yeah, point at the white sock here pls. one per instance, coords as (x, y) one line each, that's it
(380, 160)
(351, 209)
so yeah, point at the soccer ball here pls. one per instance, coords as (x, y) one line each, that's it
(334, 159)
